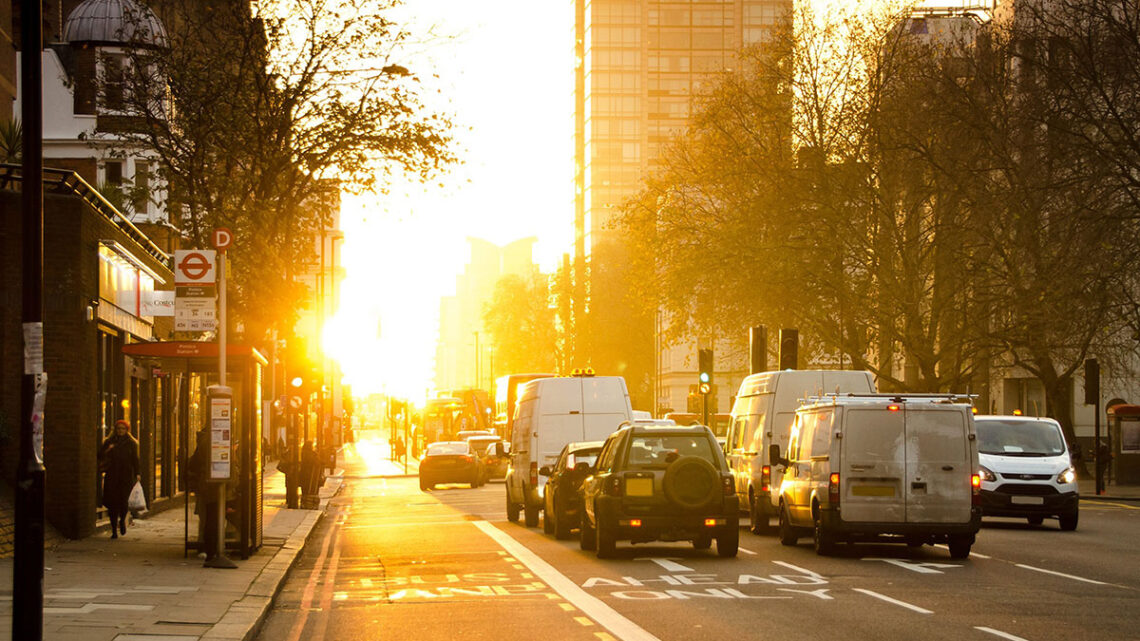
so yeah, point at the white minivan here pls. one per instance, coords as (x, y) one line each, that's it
(762, 417)
(881, 467)
(550, 413)
(1026, 470)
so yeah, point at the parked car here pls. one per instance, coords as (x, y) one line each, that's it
(1026, 470)
(493, 450)
(879, 467)
(562, 495)
(451, 462)
(653, 483)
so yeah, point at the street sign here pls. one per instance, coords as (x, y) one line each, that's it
(195, 314)
(222, 238)
(194, 267)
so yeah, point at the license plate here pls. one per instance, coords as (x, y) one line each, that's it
(873, 490)
(1027, 500)
(639, 487)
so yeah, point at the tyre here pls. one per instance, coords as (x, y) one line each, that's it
(607, 542)
(1069, 521)
(914, 541)
(423, 485)
(758, 517)
(702, 542)
(512, 509)
(548, 518)
(728, 542)
(788, 534)
(960, 545)
(561, 524)
(530, 513)
(587, 541)
(692, 483)
(1035, 520)
(823, 538)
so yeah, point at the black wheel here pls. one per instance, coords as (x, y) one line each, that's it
(607, 542)
(1035, 520)
(702, 542)
(561, 523)
(728, 542)
(587, 541)
(758, 517)
(824, 539)
(423, 485)
(960, 545)
(1069, 521)
(512, 509)
(788, 534)
(548, 518)
(530, 513)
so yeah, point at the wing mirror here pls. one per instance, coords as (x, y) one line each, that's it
(545, 470)
(774, 457)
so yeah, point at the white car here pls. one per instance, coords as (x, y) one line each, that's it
(1026, 470)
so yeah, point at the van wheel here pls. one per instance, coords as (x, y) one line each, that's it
(1069, 521)
(824, 539)
(758, 517)
(788, 534)
(530, 512)
(728, 542)
(960, 546)
(607, 542)
(512, 509)
(587, 541)
(1035, 520)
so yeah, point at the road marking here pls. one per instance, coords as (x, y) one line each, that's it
(668, 564)
(799, 569)
(567, 607)
(619, 626)
(1061, 574)
(1094, 504)
(311, 588)
(999, 633)
(888, 599)
(921, 568)
(584, 621)
(604, 637)
(746, 551)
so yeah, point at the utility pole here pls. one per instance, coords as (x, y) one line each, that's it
(28, 566)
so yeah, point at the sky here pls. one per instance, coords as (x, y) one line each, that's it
(505, 75)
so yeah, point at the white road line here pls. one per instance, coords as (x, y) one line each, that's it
(1061, 574)
(798, 569)
(999, 633)
(668, 564)
(888, 599)
(621, 627)
(746, 551)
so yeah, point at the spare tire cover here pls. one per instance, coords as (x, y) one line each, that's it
(691, 483)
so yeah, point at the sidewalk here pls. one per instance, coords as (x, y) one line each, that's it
(1112, 492)
(139, 587)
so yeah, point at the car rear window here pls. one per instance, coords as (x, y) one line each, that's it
(582, 456)
(442, 449)
(659, 450)
(480, 445)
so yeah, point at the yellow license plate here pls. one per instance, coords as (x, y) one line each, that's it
(639, 487)
(873, 490)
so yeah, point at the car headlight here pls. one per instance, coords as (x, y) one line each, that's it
(986, 474)
(1068, 476)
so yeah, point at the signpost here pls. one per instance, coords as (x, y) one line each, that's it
(221, 404)
(195, 301)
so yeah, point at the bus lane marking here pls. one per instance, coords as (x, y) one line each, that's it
(619, 626)
(888, 599)
(999, 633)
(669, 564)
(1060, 574)
(681, 586)
(921, 567)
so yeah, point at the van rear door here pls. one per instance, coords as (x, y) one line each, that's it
(938, 464)
(605, 404)
(873, 448)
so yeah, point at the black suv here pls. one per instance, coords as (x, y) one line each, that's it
(654, 483)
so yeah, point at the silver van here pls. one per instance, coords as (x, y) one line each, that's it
(881, 467)
(762, 417)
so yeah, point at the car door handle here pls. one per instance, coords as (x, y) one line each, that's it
(947, 467)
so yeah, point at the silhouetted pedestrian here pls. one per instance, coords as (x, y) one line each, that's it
(119, 460)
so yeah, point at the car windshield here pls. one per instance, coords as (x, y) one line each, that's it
(1019, 438)
(442, 449)
(659, 450)
(582, 456)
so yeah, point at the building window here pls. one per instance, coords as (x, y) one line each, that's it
(114, 87)
(141, 191)
(113, 172)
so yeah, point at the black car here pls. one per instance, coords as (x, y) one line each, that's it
(654, 483)
(451, 462)
(562, 498)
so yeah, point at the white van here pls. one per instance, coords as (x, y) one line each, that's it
(552, 412)
(761, 417)
(881, 467)
(1026, 470)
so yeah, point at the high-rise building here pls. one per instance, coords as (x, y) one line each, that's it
(639, 64)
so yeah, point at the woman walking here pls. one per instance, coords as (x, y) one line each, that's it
(119, 459)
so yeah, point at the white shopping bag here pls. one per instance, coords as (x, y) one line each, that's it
(137, 500)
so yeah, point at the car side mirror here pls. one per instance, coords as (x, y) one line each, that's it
(774, 456)
(499, 449)
(545, 470)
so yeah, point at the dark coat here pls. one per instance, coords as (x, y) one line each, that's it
(119, 457)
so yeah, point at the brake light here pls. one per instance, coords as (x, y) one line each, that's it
(533, 474)
(635, 523)
(892, 408)
(613, 486)
(710, 522)
(976, 489)
(727, 486)
(833, 488)
(468, 458)
(765, 477)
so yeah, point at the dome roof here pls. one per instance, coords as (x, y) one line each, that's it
(114, 22)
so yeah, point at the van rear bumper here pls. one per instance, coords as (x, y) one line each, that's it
(832, 521)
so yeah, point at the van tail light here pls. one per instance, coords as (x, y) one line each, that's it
(613, 486)
(533, 474)
(975, 489)
(833, 489)
(765, 478)
(468, 459)
(727, 485)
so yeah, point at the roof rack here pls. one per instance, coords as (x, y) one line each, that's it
(895, 397)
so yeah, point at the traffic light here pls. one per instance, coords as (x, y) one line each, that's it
(705, 367)
(789, 345)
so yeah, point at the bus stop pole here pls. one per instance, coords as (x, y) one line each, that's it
(219, 559)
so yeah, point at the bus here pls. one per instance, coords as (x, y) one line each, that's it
(477, 408)
(441, 421)
(506, 395)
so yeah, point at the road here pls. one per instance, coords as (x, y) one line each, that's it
(390, 562)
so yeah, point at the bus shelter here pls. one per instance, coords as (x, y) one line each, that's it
(195, 364)
(1124, 435)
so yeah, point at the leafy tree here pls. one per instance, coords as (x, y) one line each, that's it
(522, 325)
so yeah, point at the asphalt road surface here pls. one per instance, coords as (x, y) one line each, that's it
(392, 563)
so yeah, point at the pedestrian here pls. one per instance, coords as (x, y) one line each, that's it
(310, 469)
(1103, 461)
(119, 460)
